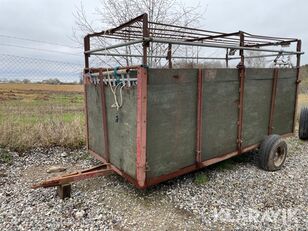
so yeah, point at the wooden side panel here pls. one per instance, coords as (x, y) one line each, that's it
(171, 121)
(95, 120)
(220, 113)
(257, 104)
(122, 130)
(285, 101)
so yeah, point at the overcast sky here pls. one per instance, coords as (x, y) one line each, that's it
(52, 21)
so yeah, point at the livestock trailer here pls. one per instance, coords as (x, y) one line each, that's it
(150, 122)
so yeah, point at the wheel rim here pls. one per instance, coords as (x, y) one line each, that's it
(279, 156)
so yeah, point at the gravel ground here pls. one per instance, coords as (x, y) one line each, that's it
(228, 197)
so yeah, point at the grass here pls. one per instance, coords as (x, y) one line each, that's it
(225, 165)
(5, 157)
(302, 101)
(41, 115)
(34, 87)
(201, 179)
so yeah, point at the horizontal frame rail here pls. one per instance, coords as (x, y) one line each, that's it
(222, 46)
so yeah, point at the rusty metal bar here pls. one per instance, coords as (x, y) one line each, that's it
(273, 99)
(169, 55)
(268, 37)
(141, 125)
(101, 170)
(199, 117)
(88, 52)
(183, 57)
(227, 58)
(104, 116)
(217, 32)
(241, 68)
(132, 21)
(159, 56)
(145, 33)
(283, 43)
(98, 69)
(257, 56)
(186, 28)
(182, 33)
(259, 41)
(213, 37)
(86, 42)
(110, 31)
(139, 34)
(242, 47)
(298, 64)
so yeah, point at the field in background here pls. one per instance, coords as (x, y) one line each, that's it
(302, 101)
(41, 115)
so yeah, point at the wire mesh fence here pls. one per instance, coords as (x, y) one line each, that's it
(41, 103)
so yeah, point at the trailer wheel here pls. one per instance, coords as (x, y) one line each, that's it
(273, 152)
(303, 124)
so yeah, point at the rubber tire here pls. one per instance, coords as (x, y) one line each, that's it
(267, 151)
(303, 124)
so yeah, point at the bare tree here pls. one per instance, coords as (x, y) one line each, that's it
(111, 13)
(258, 62)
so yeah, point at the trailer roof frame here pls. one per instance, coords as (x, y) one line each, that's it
(141, 31)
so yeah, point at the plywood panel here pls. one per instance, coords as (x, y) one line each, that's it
(257, 103)
(285, 101)
(95, 122)
(122, 133)
(220, 112)
(171, 128)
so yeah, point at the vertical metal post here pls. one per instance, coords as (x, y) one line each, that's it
(273, 99)
(141, 125)
(199, 117)
(169, 55)
(227, 58)
(104, 115)
(241, 68)
(145, 35)
(298, 64)
(86, 43)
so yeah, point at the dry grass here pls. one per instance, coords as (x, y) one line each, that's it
(43, 115)
(40, 87)
(20, 137)
(302, 101)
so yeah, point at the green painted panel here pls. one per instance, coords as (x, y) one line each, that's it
(122, 134)
(95, 124)
(257, 104)
(171, 120)
(285, 101)
(220, 112)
